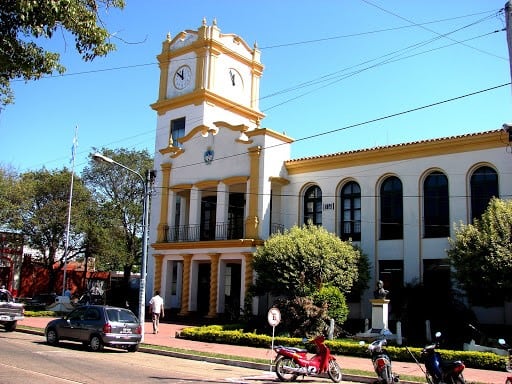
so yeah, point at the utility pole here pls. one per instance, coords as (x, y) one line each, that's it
(508, 21)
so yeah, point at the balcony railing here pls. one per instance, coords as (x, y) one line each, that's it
(276, 228)
(197, 232)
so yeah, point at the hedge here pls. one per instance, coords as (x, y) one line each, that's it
(221, 335)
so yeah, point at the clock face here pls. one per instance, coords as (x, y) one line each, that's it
(182, 77)
(235, 80)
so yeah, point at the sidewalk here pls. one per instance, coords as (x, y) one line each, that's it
(167, 337)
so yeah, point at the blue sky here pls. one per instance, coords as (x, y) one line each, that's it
(339, 76)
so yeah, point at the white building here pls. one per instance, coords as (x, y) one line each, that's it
(225, 183)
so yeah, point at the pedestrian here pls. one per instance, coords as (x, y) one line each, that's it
(156, 308)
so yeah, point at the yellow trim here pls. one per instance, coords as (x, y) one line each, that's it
(181, 187)
(435, 147)
(248, 273)
(163, 64)
(201, 129)
(159, 258)
(271, 133)
(201, 96)
(237, 128)
(185, 277)
(174, 151)
(214, 283)
(252, 220)
(207, 184)
(214, 244)
(235, 180)
(278, 180)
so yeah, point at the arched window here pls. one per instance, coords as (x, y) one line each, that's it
(484, 186)
(391, 209)
(436, 206)
(313, 205)
(351, 212)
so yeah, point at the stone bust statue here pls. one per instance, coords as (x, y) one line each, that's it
(380, 292)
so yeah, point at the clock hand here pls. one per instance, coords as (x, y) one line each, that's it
(180, 74)
(232, 75)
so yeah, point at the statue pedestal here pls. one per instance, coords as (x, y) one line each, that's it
(379, 328)
(380, 310)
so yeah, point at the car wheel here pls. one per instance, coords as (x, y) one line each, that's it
(133, 348)
(11, 326)
(96, 344)
(51, 337)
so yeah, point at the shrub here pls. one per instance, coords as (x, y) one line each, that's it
(331, 296)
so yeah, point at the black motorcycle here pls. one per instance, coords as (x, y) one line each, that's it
(381, 362)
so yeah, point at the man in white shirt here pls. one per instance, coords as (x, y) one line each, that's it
(156, 308)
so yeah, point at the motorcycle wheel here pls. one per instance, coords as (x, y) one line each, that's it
(458, 380)
(430, 379)
(386, 375)
(334, 371)
(284, 365)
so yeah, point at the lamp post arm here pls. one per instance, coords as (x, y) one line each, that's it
(105, 159)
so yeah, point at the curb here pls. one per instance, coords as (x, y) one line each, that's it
(231, 362)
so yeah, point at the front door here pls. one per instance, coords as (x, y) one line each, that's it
(174, 284)
(203, 288)
(232, 286)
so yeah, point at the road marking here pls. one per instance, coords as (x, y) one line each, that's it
(41, 374)
(240, 380)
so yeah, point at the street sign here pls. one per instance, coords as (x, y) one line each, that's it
(274, 317)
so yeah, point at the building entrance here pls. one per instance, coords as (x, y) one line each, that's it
(203, 288)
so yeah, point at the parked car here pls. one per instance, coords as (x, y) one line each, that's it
(10, 310)
(39, 302)
(97, 326)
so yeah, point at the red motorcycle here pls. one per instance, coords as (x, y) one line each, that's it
(293, 362)
(381, 362)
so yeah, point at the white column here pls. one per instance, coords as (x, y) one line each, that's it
(194, 213)
(222, 203)
(195, 206)
(172, 209)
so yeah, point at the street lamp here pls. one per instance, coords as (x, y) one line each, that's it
(145, 220)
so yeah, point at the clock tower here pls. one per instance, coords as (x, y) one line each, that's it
(216, 170)
(206, 67)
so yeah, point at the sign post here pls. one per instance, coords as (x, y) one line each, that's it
(274, 318)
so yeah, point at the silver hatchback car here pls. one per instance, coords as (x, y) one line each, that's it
(97, 326)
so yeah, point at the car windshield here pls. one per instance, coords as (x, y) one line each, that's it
(121, 315)
(5, 295)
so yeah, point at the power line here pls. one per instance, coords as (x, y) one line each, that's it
(363, 122)
(332, 78)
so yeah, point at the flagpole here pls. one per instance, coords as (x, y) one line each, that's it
(73, 152)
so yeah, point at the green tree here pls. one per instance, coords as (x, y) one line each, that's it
(481, 255)
(26, 24)
(303, 259)
(120, 196)
(309, 270)
(9, 197)
(43, 217)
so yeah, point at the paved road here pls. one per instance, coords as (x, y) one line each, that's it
(26, 358)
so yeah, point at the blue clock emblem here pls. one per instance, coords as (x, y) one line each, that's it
(208, 156)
